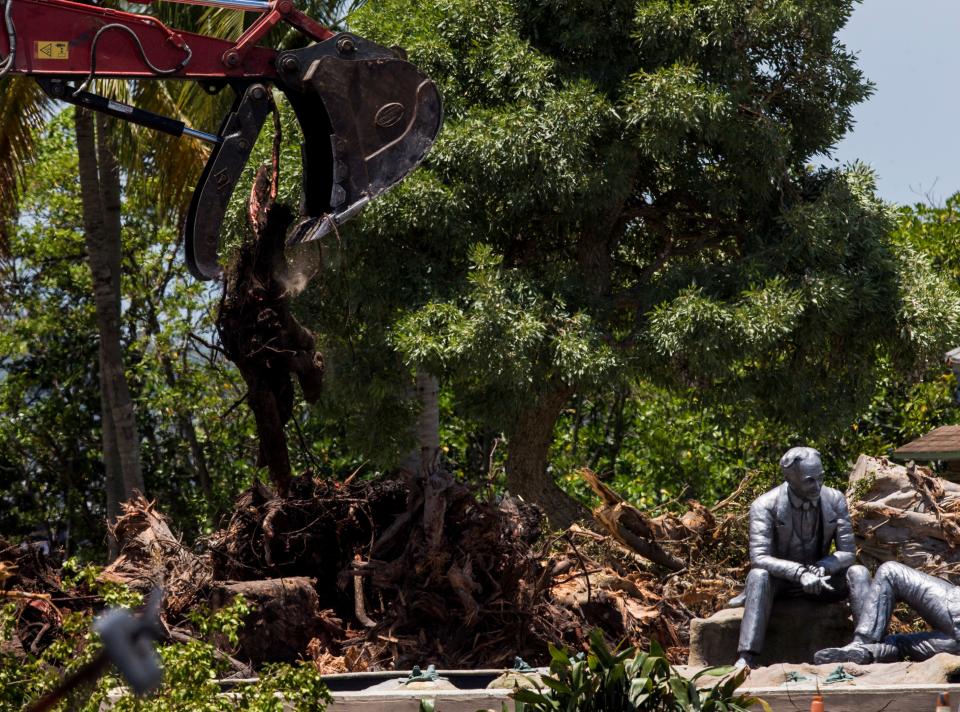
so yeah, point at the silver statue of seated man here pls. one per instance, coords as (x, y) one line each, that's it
(937, 601)
(792, 529)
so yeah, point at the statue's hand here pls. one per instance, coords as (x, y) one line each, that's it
(812, 583)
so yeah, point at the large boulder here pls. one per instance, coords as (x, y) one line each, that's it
(798, 628)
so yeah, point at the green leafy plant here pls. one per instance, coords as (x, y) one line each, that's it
(629, 681)
(191, 670)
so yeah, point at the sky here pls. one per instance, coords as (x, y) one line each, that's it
(909, 130)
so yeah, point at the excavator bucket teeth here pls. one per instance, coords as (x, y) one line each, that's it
(380, 117)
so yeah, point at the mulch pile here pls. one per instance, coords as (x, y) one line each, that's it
(373, 575)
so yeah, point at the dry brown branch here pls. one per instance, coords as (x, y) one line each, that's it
(628, 525)
(736, 495)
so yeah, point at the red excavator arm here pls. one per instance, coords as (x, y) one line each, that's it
(368, 117)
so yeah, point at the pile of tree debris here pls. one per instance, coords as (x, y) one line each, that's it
(394, 573)
(391, 573)
(905, 514)
(29, 580)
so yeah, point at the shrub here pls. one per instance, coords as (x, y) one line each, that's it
(191, 669)
(630, 681)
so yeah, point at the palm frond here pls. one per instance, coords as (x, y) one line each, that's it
(178, 160)
(23, 109)
(226, 24)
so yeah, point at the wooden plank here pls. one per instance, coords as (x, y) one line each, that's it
(854, 698)
(409, 701)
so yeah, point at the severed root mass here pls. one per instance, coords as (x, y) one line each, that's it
(261, 336)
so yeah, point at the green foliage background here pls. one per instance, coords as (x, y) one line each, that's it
(794, 306)
(624, 206)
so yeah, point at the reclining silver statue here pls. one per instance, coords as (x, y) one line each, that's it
(792, 528)
(937, 601)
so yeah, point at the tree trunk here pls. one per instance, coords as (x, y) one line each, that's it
(635, 530)
(528, 449)
(287, 616)
(121, 405)
(905, 514)
(425, 454)
(619, 423)
(577, 424)
(100, 195)
(197, 456)
(113, 477)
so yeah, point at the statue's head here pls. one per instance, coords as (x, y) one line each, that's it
(803, 471)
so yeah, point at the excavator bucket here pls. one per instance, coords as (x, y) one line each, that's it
(383, 114)
(368, 119)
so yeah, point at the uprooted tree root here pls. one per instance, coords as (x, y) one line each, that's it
(414, 571)
(418, 570)
(28, 580)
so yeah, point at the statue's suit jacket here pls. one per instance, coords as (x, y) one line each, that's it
(771, 526)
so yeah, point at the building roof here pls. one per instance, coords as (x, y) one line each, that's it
(942, 443)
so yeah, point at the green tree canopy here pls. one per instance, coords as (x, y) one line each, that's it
(625, 189)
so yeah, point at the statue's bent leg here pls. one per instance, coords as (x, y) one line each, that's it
(759, 593)
(926, 594)
(858, 586)
(920, 646)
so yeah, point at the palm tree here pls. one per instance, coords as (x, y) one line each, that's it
(106, 151)
(109, 151)
(23, 110)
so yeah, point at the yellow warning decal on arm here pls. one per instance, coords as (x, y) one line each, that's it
(51, 50)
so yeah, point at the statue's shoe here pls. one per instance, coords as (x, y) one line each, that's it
(852, 653)
(746, 660)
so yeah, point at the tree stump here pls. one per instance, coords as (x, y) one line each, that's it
(286, 616)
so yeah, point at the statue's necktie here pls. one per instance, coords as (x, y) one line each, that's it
(808, 520)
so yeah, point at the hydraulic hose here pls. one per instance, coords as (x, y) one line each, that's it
(143, 55)
(6, 64)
